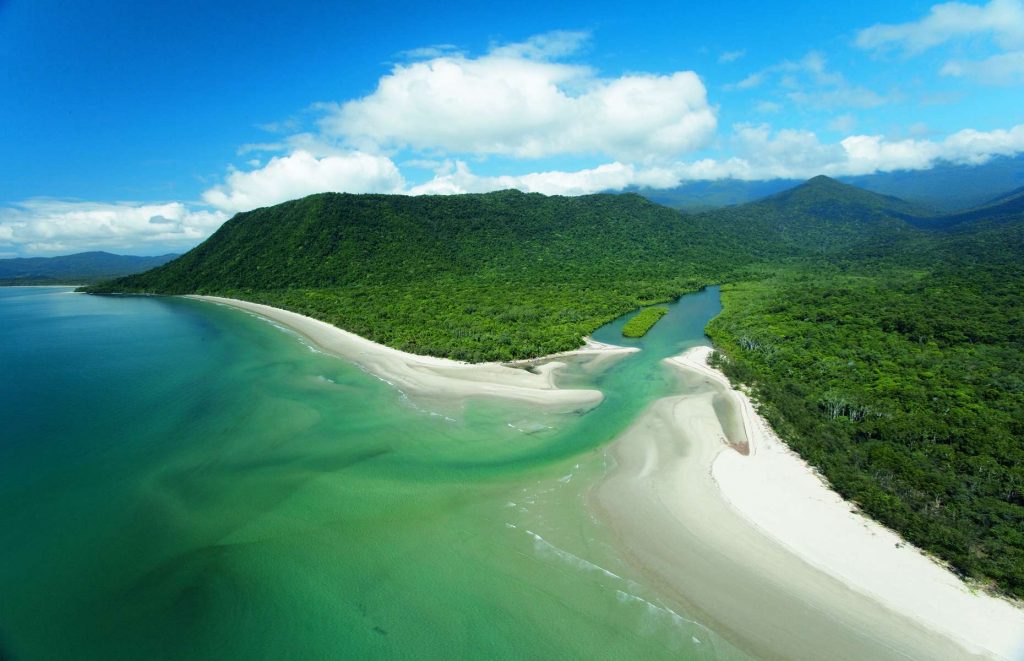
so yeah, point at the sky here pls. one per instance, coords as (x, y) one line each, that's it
(140, 127)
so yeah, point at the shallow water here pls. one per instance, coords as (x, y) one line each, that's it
(182, 480)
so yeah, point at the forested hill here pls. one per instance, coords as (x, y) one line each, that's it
(821, 216)
(331, 240)
(511, 275)
(517, 274)
(886, 346)
(478, 277)
(79, 268)
(1006, 208)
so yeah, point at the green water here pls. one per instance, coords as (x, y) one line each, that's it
(181, 480)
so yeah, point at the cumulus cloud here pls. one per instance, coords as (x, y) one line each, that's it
(301, 173)
(456, 177)
(45, 226)
(761, 153)
(766, 154)
(519, 101)
(1002, 19)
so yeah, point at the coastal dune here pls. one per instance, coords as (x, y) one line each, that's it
(432, 377)
(770, 556)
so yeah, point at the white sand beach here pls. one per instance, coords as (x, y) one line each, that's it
(430, 376)
(768, 554)
(777, 491)
(757, 545)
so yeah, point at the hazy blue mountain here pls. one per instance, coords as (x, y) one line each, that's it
(79, 268)
(944, 188)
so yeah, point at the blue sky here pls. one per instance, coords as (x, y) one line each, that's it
(140, 127)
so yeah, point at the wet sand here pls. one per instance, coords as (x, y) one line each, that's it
(440, 377)
(684, 520)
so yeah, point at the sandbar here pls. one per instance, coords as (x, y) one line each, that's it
(760, 548)
(439, 377)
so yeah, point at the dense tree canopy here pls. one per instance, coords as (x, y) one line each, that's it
(884, 344)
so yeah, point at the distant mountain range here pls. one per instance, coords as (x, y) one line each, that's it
(80, 268)
(942, 189)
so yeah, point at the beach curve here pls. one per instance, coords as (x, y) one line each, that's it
(697, 527)
(533, 382)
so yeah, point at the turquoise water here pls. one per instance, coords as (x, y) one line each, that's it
(182, 480)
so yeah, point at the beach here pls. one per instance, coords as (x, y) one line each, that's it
(728, 523)
(769, 554)
(532, 381)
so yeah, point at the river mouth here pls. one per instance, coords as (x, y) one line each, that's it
(190, 481)
(240, 493)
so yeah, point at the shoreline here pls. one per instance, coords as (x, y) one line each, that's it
(39, 286)
(788, 500)
(765, 553)
(432, 376)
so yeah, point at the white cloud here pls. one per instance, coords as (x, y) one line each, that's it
(845, 96)
(731, 56)
(975, 147)
(1002, 19)
(517, 101)
(251, 147)
(547, 46)
(763, 154)
(808, 82)
(40, 226)
(918, 129)
(843, 123)
(301, 173)
(1004, 69)
(750, 82)
(457, 178)
(427, 52)
(768, 107)
(45, 226)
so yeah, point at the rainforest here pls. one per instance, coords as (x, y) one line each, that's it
(884, 342)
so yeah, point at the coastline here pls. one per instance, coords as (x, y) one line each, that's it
(757, 542)
(784, 497)
(15, 286)
(534, 383)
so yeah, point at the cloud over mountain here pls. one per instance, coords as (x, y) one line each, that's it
(519, 101)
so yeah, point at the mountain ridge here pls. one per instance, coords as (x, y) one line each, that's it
(76, 268)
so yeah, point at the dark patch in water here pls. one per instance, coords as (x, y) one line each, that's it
(380, 631)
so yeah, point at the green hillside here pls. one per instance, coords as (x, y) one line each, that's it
(476, 277)
(885, 345)
(819, 217)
